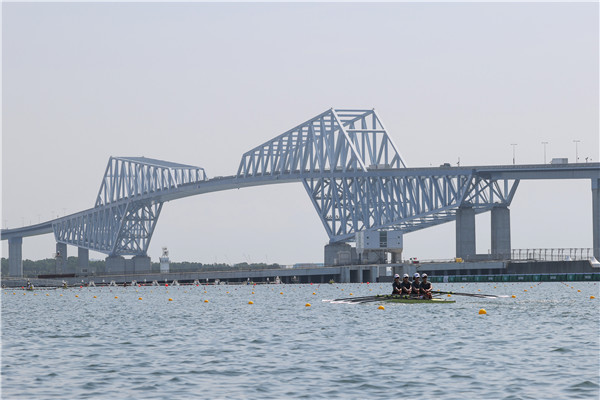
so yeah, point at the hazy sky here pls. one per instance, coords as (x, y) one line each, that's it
(203, 83)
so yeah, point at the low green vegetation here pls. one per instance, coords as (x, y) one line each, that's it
(32, 269)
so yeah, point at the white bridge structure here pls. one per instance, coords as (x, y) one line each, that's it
(354, 176)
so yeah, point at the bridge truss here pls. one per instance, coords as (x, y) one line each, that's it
(349, 165)
(127, 206)
(357, 180)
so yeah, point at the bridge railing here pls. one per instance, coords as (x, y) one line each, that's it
(555, 254)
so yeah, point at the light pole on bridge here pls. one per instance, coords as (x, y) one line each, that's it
(544, 143)
(576, 150)
(514, 145)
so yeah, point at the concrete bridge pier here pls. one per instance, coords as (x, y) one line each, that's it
(465, 232)
(83, 260)
(61, 258)
(596, 217)
(501, 231)
(15, 257)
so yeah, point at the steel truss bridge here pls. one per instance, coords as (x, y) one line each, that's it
(349, 165)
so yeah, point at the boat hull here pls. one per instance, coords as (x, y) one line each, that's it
(403, 299)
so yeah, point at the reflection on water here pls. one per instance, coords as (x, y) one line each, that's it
(542, 344)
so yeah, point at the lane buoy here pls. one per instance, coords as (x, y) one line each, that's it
(449, 295)
(307, 305)
(513, 296)
(170, 299)
(381, 308)
(592, 297)
(116, 297)
(206, 301)
(482, 311)
(250, 302)
(139, 298)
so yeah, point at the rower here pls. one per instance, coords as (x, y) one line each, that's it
(397, 285)
(426, 287)
(416, 285)
(406, 285)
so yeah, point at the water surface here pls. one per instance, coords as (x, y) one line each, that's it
(543, 344)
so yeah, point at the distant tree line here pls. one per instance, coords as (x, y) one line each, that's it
(32, 269)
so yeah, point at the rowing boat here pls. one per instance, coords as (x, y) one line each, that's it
(405, 299)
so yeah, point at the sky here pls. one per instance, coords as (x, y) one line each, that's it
(202, 83)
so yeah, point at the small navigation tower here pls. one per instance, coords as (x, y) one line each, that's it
(164, 261)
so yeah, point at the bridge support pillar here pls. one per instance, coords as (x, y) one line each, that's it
(83, 261)
(501, 232)
(61, 258)
(339, 254)
(465, 232)
(15, 257)
(344, 275)
(141, 264)
(115, 265)
(596, 217)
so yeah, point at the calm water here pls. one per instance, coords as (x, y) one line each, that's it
(543, 344)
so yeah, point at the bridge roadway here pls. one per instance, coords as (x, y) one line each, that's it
(515, 172)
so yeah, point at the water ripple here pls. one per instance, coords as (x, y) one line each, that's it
(106, 348)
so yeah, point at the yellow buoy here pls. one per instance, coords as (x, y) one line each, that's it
(47, 294)
(206, 301)
(250, 302)
(61, 295)
(76, 295)
(280, 292)
(252, 292)
(449, 295)
(525, 290)
(482, 311)
(307, 305)
(351, 294)
(95, 297)
(170, 299)
(578, 290)
(116, 297)
(513, 296)
(592, 297)
(381, 308)
(314, 293)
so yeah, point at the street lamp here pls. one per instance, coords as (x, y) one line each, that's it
(514, 145)
(576, 150)
(544, 143)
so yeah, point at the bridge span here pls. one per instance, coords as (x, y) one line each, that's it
(354, 176)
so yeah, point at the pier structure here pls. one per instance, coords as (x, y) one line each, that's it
(355, 178)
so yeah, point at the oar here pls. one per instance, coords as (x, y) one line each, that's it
(488, 296)
(354, 298)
